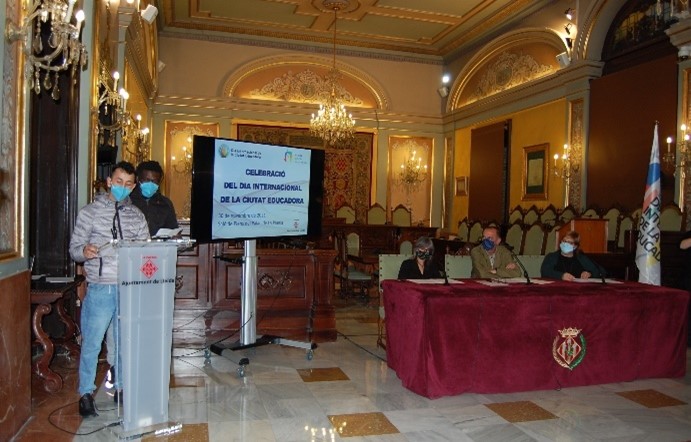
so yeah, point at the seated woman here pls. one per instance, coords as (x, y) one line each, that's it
(568, 263)
(420, 266)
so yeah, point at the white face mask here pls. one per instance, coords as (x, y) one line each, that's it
(566, 247)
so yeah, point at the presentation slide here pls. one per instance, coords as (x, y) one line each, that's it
(259, 191)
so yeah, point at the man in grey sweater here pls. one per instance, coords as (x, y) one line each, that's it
(110, 216)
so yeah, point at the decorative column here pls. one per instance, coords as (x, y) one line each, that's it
(680, 36)
(574, 190)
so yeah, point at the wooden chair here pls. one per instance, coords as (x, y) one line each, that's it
(548, 216)
(347, 213)
(516, 215)
(401, 216)
(624, 223)
(671, 218)
(475, 232)
(458, 266)
(514, 236)
(389, 265)
(405, 248)
(612, 217)
(534, 240)
(531, 216)
(590, 213)
(376, 214)
(349, 276)
(463, 230)
(567, 214)
(551, 239)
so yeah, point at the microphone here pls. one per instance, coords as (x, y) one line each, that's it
(509, 247)
(446, 277)
(600, 270)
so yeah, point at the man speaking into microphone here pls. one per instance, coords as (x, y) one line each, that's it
(490, 260)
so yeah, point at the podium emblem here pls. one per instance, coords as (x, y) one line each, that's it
(568, 349)
(149, 268)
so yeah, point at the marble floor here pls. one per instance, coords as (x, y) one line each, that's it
(346, 392)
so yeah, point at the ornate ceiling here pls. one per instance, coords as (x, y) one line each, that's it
(420, 28)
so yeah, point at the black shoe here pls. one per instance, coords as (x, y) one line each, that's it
(86, 405)
(117, 397)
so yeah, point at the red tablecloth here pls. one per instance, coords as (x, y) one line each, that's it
(447, 340)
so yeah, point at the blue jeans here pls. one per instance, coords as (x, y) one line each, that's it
(99, 309)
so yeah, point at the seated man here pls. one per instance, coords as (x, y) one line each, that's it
(568, 263)
(420, 266)
(491, 261)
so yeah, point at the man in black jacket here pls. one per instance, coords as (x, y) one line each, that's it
(158, 209)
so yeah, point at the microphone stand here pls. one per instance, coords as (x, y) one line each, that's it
(600, 270)
(518, 261)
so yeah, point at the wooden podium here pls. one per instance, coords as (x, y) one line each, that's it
(593, 233)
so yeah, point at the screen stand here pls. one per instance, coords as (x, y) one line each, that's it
(248, 328)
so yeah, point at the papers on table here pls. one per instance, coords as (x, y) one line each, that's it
(59, 279)
(167, 233)
(598, 280)
(435, 281)
(499, 282)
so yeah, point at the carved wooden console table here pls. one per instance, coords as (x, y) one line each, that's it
(45, 295)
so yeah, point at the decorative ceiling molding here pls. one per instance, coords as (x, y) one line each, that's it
(303, 82)
(485, 63)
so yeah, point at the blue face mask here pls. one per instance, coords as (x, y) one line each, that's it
(148, 189)
(487, 244)
(119, 192)
(566, 247)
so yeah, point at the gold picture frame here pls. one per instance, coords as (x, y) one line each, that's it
(535, 164)
(461, 186)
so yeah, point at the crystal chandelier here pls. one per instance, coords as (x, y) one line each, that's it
(333, 123)
(60, 51)
(681, 161)
(412, 173)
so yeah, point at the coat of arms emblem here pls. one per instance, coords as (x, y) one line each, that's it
(568, 348)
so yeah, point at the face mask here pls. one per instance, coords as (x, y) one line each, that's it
(566, 248)
(423, 254)
(119, 192)
(487, 244)
(148, 189)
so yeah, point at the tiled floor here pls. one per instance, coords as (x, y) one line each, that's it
(346, 392)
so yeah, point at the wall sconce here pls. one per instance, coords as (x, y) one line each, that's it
(569, 13)
(443, 91)
(567, 28)
(569, 42)
(62, 45)
(110, 110)
(135, 139)
(681, 161)
(564, 170)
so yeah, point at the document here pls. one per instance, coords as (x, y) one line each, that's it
(435, 281)
(597, 281)
(167, 233)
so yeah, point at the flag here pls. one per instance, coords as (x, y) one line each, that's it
(648, 244)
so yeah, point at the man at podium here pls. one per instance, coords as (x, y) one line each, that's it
(111, 216)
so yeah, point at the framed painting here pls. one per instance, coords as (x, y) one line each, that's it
(535, 165)
(461, 186)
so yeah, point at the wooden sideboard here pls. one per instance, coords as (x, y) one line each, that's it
(374, 238)
(294, 291)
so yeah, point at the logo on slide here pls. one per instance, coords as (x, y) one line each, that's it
(223, 150)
